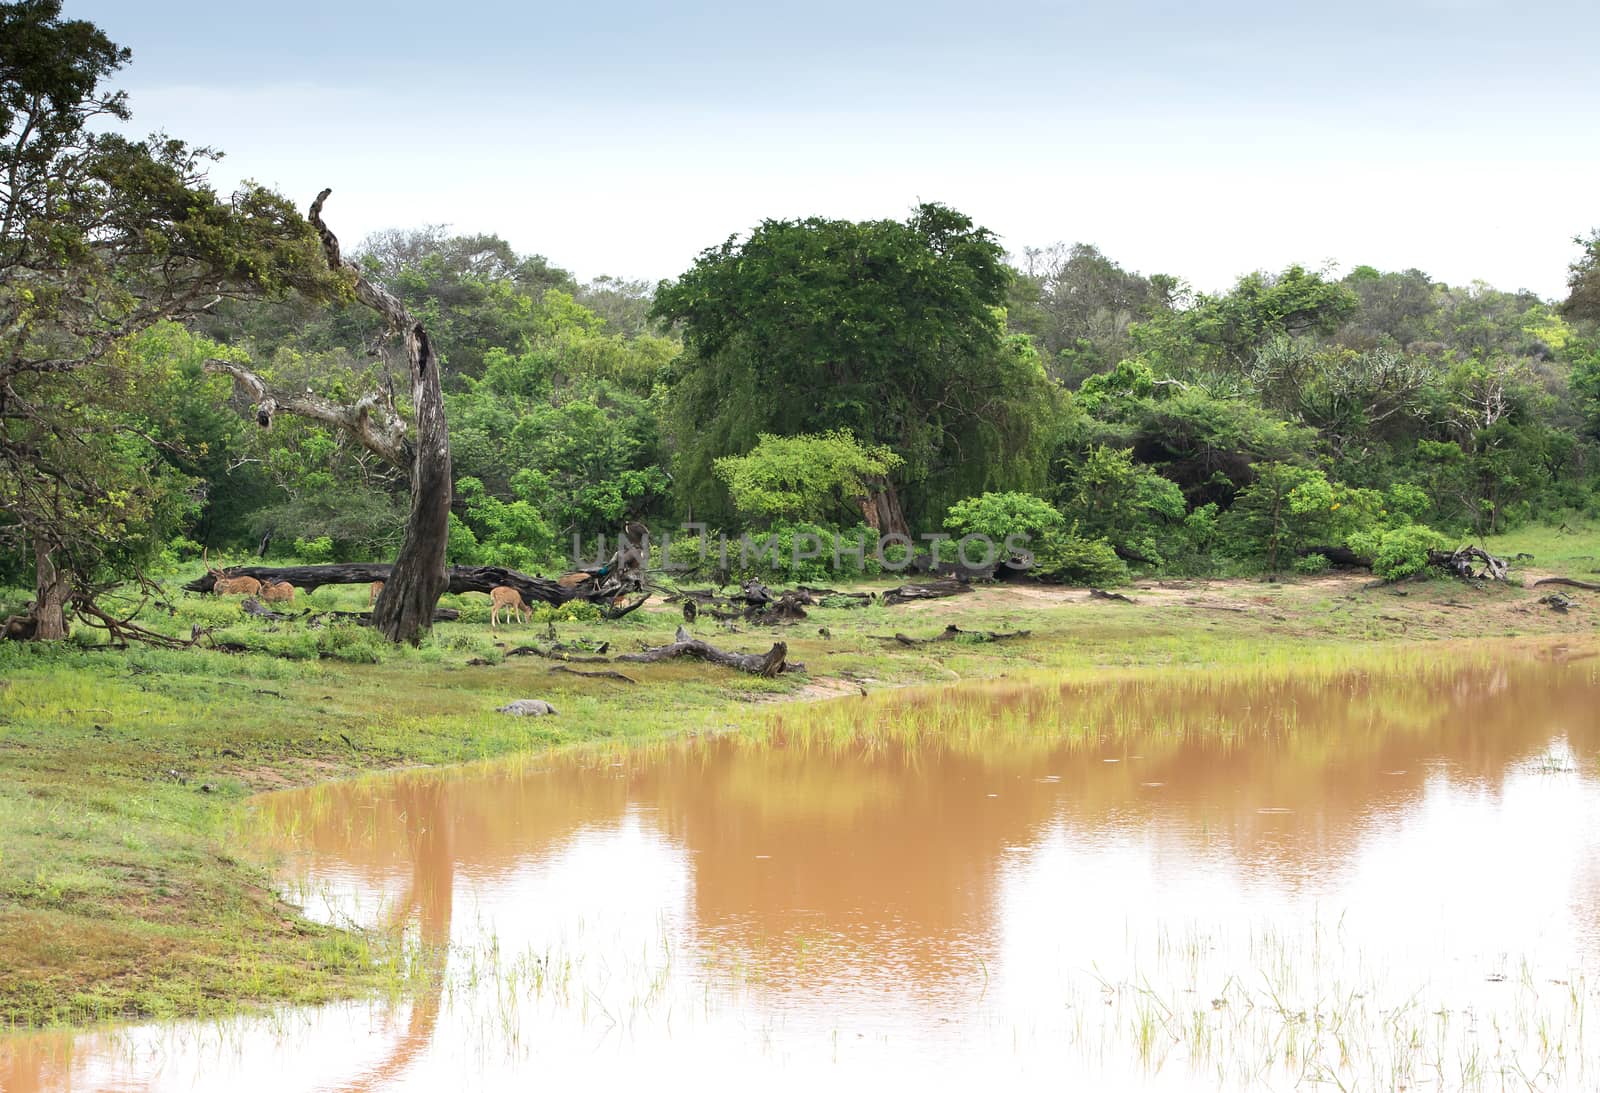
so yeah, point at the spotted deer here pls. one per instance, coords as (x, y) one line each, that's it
(223, 585)
(278, 592)
(506, 598)
(372, 592)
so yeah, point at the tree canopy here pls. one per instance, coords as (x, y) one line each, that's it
(890, 330)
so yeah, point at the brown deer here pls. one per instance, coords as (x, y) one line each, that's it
(223, 585)
(372, 592)
(507, 598)
(277, 592)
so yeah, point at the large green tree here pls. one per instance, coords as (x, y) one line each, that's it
(1583, 281)
(889, 330)
(100, 237)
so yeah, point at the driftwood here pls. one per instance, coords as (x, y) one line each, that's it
(1461, 563)
(1102, 594)
(252, 607)
(832, 597)
(618, 609)
(754, 602)
(555, 653)
(1559, 602)
(953, 632)
(605, 674)
(1587, 586)
(773, 662)
(930, 590)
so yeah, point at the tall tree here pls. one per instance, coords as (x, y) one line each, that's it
(1583, 281)
(404, 611)
(888, 330)
(100, 237)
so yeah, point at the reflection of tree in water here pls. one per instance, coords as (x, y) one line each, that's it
(899, 854)
(425, 811)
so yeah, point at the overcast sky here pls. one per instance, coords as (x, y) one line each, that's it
(1461, 137)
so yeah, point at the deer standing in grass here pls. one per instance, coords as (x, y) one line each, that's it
(507, 598)
(372, 592)
(224, 585)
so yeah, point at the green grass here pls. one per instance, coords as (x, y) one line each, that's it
(1569, 548)
(128, 882)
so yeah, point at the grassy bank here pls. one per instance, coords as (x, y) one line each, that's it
(125, 888)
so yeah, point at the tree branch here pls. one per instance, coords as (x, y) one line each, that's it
(371, 419)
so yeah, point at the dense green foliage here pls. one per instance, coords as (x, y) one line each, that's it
(809, 377)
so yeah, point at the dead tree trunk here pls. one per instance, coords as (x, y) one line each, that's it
(771, 663)
(404, 610)
(882, 511)
(1461, 563)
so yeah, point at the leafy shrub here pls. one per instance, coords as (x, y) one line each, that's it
(315, 551)
(1398, 552)
(1074, 560)
(803, 477)
(997, 516)
(1127, 503)
(770, 555)
(1312, 564)
(571, 611)
(351, 643)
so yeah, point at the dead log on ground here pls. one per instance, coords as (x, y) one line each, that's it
(1102, 594)
(772, 663)
(1460, 563)
(930, 590)
(1338, 555)
(953, 632)
(1587, 586)
(553, 653)
(832, 597)
(607, 674)
(618, 610)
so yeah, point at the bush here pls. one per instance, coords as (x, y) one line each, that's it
(315, 551)
(769, 555)
(998, 516)
(1312, 564)
(1398, 552)
(1073, 560)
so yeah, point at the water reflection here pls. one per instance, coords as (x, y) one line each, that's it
(1216, 877)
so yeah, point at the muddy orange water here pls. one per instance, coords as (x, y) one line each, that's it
(1379, 878)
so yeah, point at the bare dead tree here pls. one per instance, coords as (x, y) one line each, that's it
(405, 607)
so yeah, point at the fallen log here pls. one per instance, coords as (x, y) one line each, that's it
(552, 653)
(606, 674)
(1338, 555)
(1587, 586)
(772, 663)
(930, 590)
(953, 632)
(1460, 563)
(462, 578)
(617, 610)
(832, 597)
(1102, 594)
(252, 607)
